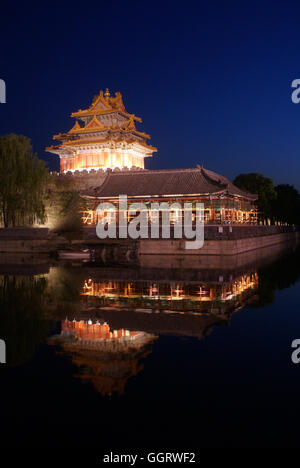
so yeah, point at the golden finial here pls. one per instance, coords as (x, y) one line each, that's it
(107, 93)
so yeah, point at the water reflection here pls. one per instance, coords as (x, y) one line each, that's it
(111, 333)
(169, 295)
(22, 300)
(107, 358)
(106, 320)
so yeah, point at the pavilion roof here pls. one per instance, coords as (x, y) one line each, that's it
(168, 182)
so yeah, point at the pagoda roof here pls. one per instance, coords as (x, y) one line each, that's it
(90, 141)
(162, 183)
(104, 103)
(95, 125)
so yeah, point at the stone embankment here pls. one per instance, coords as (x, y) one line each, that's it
(219, 240)
(30, 240)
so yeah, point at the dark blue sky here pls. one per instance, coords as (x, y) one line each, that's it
(211, 80)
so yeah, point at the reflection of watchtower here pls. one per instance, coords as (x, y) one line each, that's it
(105, 357)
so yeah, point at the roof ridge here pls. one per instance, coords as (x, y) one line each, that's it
(215, 182)
(155, 171)
(104, 183)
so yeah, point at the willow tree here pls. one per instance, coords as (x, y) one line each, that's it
(23, 181)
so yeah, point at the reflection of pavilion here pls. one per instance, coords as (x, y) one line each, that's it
(177, 301)
(107, 358)
(105, 340)
(170, 295)
(175, 307)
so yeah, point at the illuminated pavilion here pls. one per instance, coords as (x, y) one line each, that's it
(223, 201)
(104, 136)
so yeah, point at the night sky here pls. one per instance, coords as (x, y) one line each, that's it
(211, 80)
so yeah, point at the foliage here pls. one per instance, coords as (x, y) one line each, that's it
(23, 180)
(280, 203)
(286, 209)
(263, 187)
(69, 219)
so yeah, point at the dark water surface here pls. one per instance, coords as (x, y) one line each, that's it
(161, 354)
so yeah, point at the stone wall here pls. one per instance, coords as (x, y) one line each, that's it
(30, 240)
(79, 180)
(215, 246)
(227, 242)
(234, 232)
(70, 182)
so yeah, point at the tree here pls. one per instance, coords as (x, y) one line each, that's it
(69, 217)
(23, 181)
(64, 206)
(287, 206)
(263, 187)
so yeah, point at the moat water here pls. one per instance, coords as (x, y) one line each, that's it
(166, 353)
